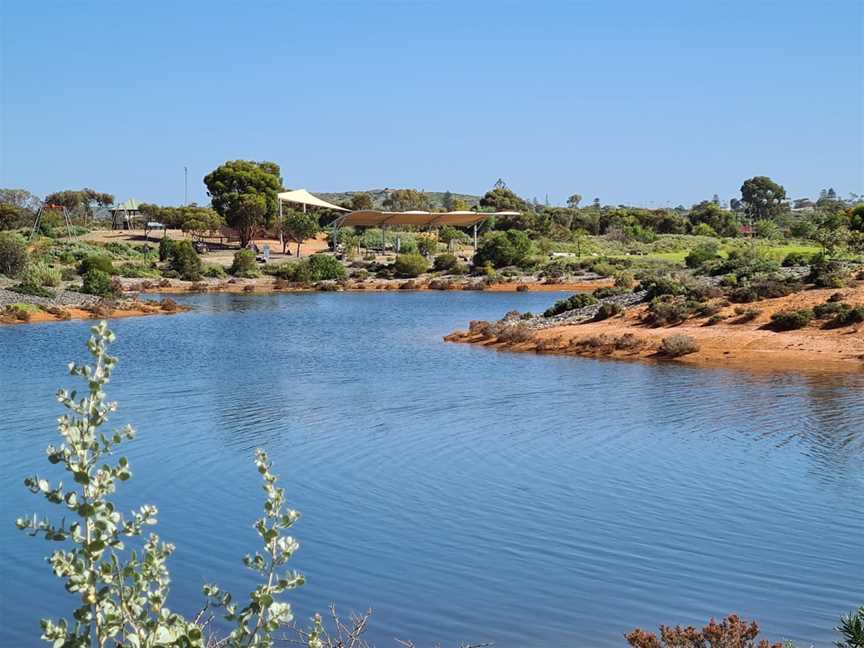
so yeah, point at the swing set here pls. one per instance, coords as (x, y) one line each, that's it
(47, 207)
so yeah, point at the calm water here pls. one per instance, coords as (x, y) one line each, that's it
(462, 493)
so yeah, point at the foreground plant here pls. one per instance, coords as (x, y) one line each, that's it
(731, 632)
(257, 621)
(122, 595)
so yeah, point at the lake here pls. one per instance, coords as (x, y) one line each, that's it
(463, 493)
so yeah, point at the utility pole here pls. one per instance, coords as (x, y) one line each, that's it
(185, 186)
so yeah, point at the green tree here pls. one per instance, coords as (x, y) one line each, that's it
(722, 221)
(361, 200)
(503, 249)
(298, 227)
(574, 200)
(407, 200)
(501, 198)
(81, 202)
(244, 194)
(447, 201)
(763, 197)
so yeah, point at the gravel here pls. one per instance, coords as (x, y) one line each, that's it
(63, 298)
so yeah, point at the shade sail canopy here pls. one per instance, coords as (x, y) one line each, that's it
(130, 205)
(374, 218)
(303, 197)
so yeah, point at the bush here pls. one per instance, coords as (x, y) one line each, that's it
(608, 310)
(658, 285)
(731, 632)
(503, 249)
(426, 245)
(794, 259)
(30, 289)
(667, 310)
(410, 265)
(579, 300)
(319, 267)
(714, 319)
(604, 293)
(214, 271)
(37, 273)
(848, 317)
(445, 263)
(137, 271)
(165, 246)
(676, 346)
(788, 320)
(185, 261)
(244, 264)
(828, 274)
(13, 254)
(747, 314)
(94, 262)
(624, 280)
(97, 282)
(701, 254)
(512, 333)
(828, 309)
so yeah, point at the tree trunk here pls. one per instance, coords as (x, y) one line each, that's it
(298, 249)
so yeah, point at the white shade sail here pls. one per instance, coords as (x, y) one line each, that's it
(303, 197)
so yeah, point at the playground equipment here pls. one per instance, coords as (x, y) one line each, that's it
(67, 220)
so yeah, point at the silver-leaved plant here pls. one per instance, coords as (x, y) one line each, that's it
(122, 593)
(256, 622)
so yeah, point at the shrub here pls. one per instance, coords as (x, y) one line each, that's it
(628, 342)
(771, 288)
(579, 300)
(676, 346)
(707, 310)
(185, 261)
(97, 282)
(828, 309)
(13, 254)
(624, 280)
(31, 289)
(124, 590)
(410, 265)
(714, 319)
(704, 229)
(744, 263)
(38, 273)
(244, 264)
(445, 263)
(426, 245)
(165, 246)
(95, 262)
(849, 316)
(702, 253)
(213, 271)
(137, 270)
(604, 293)
(794, 259)
(323, 267)
(743, 295)
(731, 632)
(788, 320)
(503, 249)
(747, 314)
(608, 310)
(667, 310)
(17, 312)
(828, 274)
(658, 285)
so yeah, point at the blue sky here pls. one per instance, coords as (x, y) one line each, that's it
(633, 102)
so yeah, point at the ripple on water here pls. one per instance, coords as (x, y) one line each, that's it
(464, 494)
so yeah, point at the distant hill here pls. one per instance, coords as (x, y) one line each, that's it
(378, 196)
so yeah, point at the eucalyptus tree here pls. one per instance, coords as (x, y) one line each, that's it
(244, 193)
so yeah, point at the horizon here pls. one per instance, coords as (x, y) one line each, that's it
(652, 106)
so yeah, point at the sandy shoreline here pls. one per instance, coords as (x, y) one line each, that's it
(137, 309)
(731, 343)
